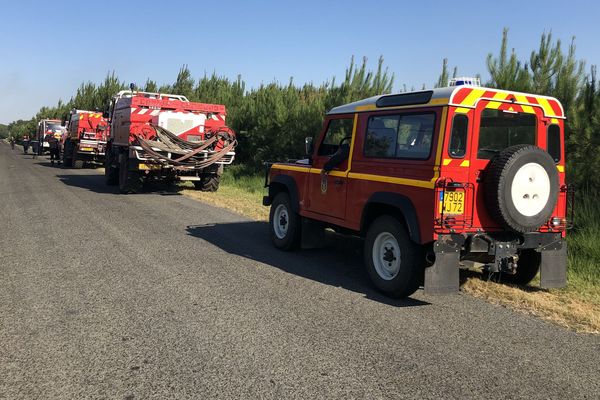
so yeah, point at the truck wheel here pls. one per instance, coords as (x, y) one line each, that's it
(77, 164)
(208, 183)
(284, 222)
(527, 268)
(391, 258)
(521, 188)
(67, 156)
(111, 174)
(209, 180)
(129, 181)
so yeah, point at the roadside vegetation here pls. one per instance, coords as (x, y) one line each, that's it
(273, 119)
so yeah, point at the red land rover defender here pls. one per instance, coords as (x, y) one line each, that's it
(434, 181)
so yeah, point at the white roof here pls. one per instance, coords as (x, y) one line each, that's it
(438, 93)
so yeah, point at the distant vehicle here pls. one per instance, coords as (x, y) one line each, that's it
(157, 136)
(433, 181)
(45, 127)
(87, 132)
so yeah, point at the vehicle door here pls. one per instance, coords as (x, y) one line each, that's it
(496, 127)
(327, 190)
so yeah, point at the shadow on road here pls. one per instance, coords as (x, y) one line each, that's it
(338, 263)
(93, 183)
(97, 184)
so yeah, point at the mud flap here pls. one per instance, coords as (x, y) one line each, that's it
(553, 270)
(443, 276)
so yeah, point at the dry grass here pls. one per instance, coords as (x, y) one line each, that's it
(235, 199)
(563, 307)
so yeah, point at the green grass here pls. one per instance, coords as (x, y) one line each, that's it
(584, 246)
(241, 177)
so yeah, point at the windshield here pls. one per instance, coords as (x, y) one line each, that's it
(499, 130)
(54, 127)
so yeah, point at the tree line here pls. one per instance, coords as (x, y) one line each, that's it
(273, 119)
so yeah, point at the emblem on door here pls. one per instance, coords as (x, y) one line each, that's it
(323, 183)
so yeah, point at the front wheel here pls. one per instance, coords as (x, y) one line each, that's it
(392, 259)
(284, 223)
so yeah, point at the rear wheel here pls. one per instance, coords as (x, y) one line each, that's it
(391, 258)
(527, 268)
(77, 163)
(284, 223)
(67, 155)
(111, 174)
(129, 181)
(209, 179)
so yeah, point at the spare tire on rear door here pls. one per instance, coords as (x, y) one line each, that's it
(521, 187)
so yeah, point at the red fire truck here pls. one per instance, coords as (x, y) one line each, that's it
(156, 136)
(87, 132)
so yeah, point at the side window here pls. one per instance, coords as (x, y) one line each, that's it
(337, 130)
(400, 136)
(459, 136)
(554, 142)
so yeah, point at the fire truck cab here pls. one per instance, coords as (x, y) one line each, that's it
(45, 127)
(433, 181)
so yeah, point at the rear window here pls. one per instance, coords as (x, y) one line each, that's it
(458, 138)
(554, 142)
(406, 136)
(499, 130)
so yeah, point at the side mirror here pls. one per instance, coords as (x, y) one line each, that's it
(308, 146)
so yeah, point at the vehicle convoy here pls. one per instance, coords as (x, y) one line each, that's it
(85, 140)
(156, 136)
(46, 127)
(434, 181)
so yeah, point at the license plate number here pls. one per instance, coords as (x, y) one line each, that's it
(454, 202)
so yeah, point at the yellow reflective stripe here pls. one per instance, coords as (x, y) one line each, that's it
(472, 97)
(358, 176)
(447, 161)
(291, 168)
(465, 163)
(390, 179)
(554, 120)
(546, 106)
(493, 105)
(462, 110)
(560, 168)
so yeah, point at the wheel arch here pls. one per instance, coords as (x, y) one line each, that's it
(397, 205)
(284, 183)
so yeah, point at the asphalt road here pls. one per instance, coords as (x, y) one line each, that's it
(160, 296)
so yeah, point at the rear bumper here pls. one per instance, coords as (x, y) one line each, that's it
(449, 250)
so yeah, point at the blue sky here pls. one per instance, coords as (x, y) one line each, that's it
(48, 48)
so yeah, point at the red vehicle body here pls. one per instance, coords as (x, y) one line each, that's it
(162, 136)
(441, 197)
(87, 132)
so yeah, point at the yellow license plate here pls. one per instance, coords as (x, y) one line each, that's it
(148, 166)
(87, 149)
(454, 202)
